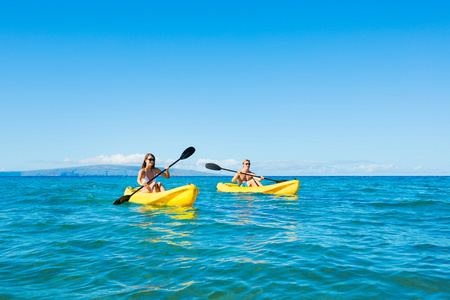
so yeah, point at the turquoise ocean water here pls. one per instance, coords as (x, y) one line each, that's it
(341, 238)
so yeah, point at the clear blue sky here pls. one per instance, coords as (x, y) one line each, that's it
(298, 87)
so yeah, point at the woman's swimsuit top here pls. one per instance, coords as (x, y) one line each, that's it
(147, 179)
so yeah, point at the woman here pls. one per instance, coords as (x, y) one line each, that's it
(246, 180)
(147, 172)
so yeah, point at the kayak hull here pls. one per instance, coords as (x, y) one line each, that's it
(289, 187)
(180, 196)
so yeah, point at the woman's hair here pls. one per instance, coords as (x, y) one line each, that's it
(144, 164)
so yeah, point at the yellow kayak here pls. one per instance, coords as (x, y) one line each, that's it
(180, 196)
(289, 187)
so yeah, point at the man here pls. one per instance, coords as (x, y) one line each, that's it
(246, 180)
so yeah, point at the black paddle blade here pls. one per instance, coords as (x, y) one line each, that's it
(212, 166)
(122, 200)
(188, 152)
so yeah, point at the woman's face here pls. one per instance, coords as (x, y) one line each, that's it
(150, 160)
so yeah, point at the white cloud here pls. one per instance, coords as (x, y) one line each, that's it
(373, 168)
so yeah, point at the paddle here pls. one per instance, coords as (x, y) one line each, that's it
(215, 167)
(186, 153)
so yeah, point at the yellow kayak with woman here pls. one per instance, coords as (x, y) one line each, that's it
(181, 196)
(153, 192)
(289, 187)
(248, 182)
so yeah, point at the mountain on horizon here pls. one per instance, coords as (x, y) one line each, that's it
(99, 170)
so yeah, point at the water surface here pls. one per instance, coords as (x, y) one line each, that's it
(342, 237)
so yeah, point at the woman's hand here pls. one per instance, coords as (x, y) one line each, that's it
(167, 172)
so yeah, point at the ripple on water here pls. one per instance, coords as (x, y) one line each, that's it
(341, 237)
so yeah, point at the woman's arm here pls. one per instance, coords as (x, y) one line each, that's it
(139, 178)
(166, 174)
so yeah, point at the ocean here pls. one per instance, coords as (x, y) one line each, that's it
(341, 238)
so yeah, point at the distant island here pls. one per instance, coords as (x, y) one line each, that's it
(100, 170)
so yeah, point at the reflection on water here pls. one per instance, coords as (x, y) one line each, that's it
(171, 211)
(244, 208)
(246, 197)
(161, 234)
(164, 232)
(265, 197)
(286, 197)
(167, 285)
(258, 210)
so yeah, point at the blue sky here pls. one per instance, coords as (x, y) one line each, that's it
(298, 87)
